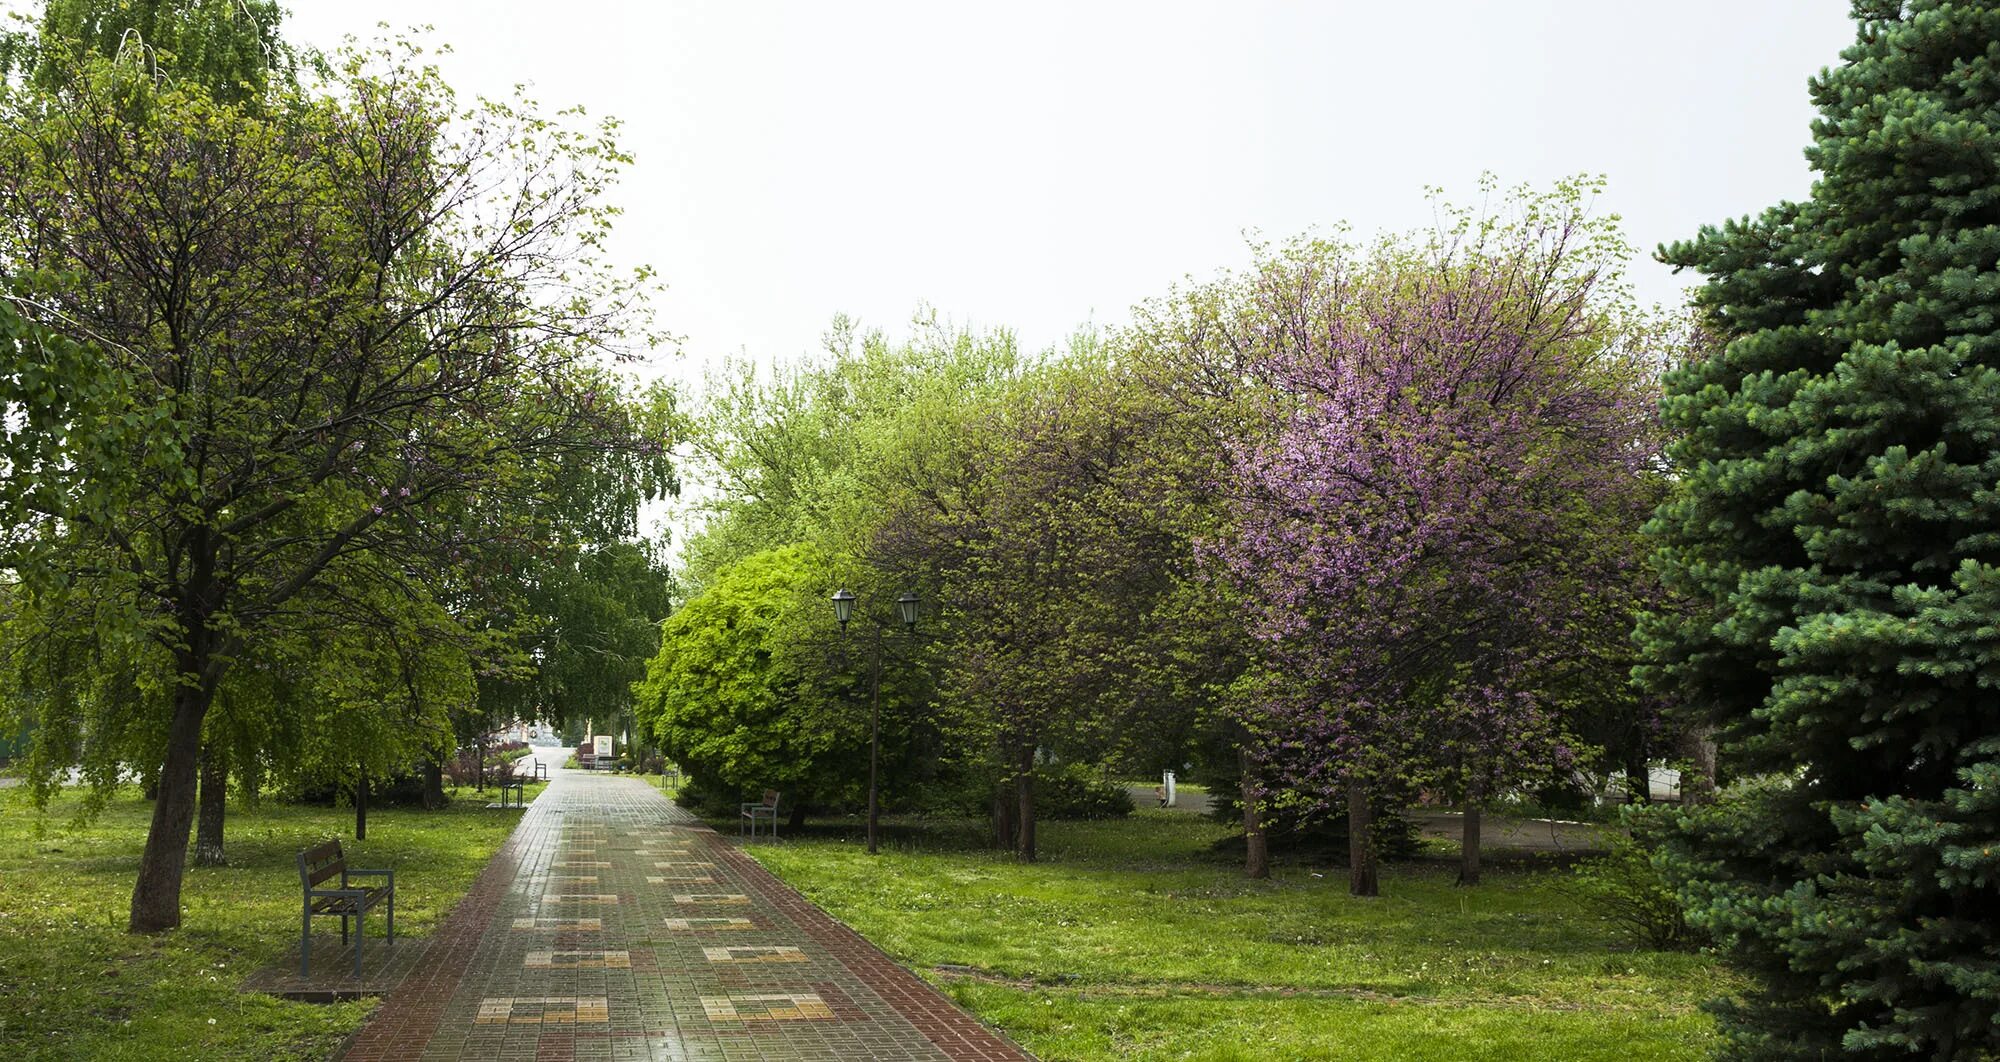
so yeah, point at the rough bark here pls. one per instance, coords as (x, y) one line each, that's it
(156, 896)
(1638, 777)
(361, 808)
(1024, 791)
(214, 800)
(1468, 845)
(1361, 869)
(1256, 847)
(1003, 818)
(433, 785)
(1698, 783)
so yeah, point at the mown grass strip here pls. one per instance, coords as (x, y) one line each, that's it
(74, 984)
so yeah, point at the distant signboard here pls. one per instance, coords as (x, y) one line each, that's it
(603, 749)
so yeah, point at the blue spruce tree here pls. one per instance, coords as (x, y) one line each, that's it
(1836, 532)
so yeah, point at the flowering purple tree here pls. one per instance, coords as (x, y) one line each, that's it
(1457, 466)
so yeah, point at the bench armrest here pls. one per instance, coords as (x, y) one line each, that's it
(352, 872)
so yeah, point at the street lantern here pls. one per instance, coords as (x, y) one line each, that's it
(843, 611)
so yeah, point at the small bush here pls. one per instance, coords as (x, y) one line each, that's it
(1626, 890)
(1079, 791)
(697, 798)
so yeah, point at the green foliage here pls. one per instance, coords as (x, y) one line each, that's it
(1079, 791)
(307, 387)
(1833, 526)
(1625, 889)
(732, 706)
(230, 48)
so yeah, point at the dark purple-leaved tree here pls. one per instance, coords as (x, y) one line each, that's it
(1456, 469)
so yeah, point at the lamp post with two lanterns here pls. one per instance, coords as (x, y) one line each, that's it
(843, 611)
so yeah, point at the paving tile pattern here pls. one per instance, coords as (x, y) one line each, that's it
(613, 925)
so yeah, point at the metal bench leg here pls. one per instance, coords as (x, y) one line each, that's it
(358, 915)
(392, 917)
(306, 942)
(343, 930)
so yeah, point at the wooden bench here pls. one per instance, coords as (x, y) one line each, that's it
(324, 862)
(766, 808)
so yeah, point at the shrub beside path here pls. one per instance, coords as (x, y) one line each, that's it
(614, 925)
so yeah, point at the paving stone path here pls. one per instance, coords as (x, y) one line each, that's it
(613, 925)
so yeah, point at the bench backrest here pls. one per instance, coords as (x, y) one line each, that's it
(770, 798)
(320, 862)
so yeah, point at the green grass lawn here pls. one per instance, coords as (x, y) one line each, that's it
(75, 985)
(659, 782)
(1133, 940)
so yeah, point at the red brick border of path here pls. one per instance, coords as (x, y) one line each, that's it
(957, 1033)
(405, 1022)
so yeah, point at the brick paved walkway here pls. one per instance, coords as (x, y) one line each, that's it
(613, 925)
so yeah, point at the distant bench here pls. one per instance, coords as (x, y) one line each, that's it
(765, 810)
(517, 785)
(324, 862)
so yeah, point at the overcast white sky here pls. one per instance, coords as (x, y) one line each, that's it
(1044, 165)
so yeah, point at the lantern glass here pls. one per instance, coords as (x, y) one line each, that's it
(843, 606)
(907, 605)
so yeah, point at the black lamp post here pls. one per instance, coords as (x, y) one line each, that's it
(843, 611)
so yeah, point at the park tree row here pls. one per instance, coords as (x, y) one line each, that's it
(1359, 522)
(316, 454)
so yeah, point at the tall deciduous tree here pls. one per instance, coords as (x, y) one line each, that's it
(1837, 525)
(342, 330)
(1454, 419)
(1044, 571)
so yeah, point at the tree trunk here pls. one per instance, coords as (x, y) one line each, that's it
(479, 751)
(1638, 777)
(361, 807)
(214, 804)
(1003, 817)
(156, 896)
(1468, 845)
(1361, 877)
(1024, 790)
(1698, 785)
(1256, 847)
(433, 785)
(797, 820)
